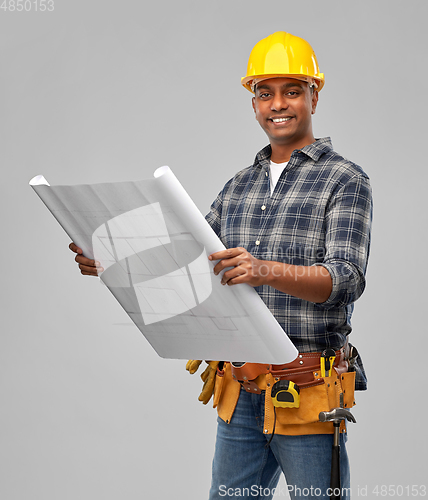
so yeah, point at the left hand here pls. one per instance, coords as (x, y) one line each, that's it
(246, 268)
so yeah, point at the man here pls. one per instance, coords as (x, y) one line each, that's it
(296, 225)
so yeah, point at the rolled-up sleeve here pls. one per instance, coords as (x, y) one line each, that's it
(213, 217)
(348, 221)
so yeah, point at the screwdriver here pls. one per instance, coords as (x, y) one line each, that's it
(327, 361)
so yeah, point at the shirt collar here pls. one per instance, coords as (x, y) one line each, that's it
(318, 148)
(314, 151)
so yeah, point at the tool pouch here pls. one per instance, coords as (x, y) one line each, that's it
(226, 393)
(313, 399)
(218, 387)
(348, 387)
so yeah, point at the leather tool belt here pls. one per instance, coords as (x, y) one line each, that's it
(305, 370)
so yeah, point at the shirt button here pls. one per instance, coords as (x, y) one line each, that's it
(257, 242)
(263, 207)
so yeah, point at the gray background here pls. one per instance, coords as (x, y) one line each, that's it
(109, 91)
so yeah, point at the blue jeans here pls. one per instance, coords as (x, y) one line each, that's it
(244, 466)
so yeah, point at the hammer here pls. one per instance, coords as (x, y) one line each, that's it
(336, 416)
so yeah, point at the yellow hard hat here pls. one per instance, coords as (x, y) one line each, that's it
(286, 55)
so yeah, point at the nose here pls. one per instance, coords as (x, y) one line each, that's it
(279, 102)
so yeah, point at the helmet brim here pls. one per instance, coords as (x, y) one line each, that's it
(319, 79)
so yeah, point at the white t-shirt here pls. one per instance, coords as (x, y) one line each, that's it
(275, 173)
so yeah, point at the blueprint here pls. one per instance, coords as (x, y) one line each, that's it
(153, 244)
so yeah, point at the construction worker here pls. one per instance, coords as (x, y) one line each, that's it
(296, 225)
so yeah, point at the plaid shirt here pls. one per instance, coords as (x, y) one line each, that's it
(319, 214)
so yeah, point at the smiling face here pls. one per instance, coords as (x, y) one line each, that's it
(284, 109)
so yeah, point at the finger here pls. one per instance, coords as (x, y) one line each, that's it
(226, 254)
(218, 255)
(222, 265)
(90, 266)
(238, 280)
(225, 263)
(231, 275)
(74, 248)
(88, 270)
(80, 259)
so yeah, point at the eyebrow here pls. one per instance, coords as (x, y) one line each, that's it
(285, 86)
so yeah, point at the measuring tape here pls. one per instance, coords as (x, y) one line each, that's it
(285, 394)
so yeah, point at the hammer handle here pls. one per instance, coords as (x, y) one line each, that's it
(335, 474)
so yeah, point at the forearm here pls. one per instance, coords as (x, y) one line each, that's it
(311, 283)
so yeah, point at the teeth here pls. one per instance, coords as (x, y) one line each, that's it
(279, 120)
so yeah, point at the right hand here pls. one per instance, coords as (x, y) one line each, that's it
(88, 267)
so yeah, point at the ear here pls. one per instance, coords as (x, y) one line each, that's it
(314, 101)
(253, 102)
